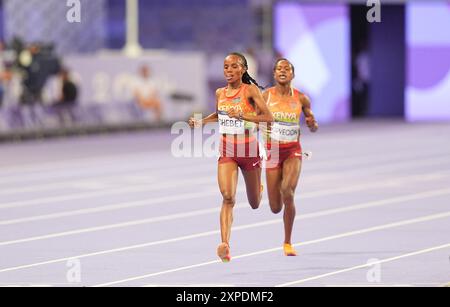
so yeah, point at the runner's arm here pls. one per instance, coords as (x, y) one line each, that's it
(309, 115)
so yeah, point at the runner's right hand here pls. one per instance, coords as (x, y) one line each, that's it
(194, 123)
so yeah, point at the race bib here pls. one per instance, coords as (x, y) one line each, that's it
(228, 125)
(285, 132)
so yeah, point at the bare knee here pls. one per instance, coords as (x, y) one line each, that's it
(276, 210)
(228, 199)
(254, 204)
(287, 194)
(254, 200)
(276, 207)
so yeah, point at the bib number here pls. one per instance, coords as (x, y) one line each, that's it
(228, 125)
(285, 132)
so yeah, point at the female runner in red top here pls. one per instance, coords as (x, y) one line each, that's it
(284, 151)
(236, 106)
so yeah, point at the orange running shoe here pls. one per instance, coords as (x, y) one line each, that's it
(289, 250)
(223, 251)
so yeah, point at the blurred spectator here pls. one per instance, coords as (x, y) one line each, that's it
(2, 74)
(38, 63)
(361, 81)
(64, 107)
(5, 70)
(146, 92)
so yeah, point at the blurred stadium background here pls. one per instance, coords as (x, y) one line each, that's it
(397, 68)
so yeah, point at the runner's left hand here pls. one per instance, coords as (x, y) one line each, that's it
(312, 124)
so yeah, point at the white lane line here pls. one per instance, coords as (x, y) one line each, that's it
(170, 184)
(69, 173)
(348, 134)
(200, 180)
(369, 285)
(99, 183)
(165, 218)
(321, 240)
(29, 286)
(116, 250)
(210, 233)
(189, 286)
(213, 191)
(100, 159)
(40, 166)
(80, 162)
(112, 182)
(91, 172)
(419, 252)
(86, 162)
(119, 206)
(367, 205)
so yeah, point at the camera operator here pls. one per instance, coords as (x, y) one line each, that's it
(38, 63)
(68, 94)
